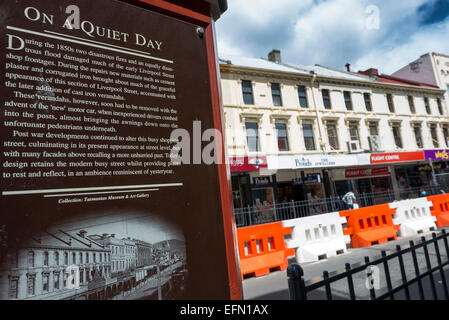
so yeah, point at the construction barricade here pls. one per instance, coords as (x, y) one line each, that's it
(317, 237)
(262, 249)
(440, 209)
(370, 225)
(413, 216)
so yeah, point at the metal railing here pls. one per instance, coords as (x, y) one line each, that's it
(254, 215)
(415, 284)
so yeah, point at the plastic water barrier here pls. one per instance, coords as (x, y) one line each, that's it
(262, 249)
(440, 209)
(317, 237)
(413, 216)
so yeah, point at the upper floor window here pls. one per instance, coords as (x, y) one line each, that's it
(247, 91)
(427, 104)
(30, 259)
(66, 258)
(303, 97)
(348, 100)
(46, 258)
(434, 135)
(56, 255)
(446, 135)
(281, 129)
(373, 129)
(418, 137)
(411, 103)
(396, 128)
(390, 102)
(368, 104)
(276, 94)
(252, 136)
(440, 107)
(354, 131)
(332, 135)
(309, 140)
(326, 99)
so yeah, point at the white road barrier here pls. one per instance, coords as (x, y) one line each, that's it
(317, 237)
(413, 216)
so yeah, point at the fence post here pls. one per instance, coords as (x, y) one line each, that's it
(296, 284)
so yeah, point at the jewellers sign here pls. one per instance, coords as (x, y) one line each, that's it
(316, 161)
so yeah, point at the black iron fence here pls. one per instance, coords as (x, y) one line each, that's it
(375, 280)
(254, 215)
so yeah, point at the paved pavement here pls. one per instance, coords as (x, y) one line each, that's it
(275, 287)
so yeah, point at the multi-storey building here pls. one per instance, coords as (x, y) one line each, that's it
(117, 250)
(130, 249)
(305, 132)
(144, 253)
(46, 266)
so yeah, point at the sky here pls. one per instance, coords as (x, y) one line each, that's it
(382, 34)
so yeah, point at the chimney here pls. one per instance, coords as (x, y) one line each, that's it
(372, 72)
(82, 233)
(275, 56)
(348, 67)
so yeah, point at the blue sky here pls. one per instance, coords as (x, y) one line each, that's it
(334, 32)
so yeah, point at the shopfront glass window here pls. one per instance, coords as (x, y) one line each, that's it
(309, 141)
(252, 136)
(281, 129)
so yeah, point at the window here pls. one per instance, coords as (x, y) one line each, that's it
(66, 258)
(303, 97)
(13, 288)
(446, 135)
(326, 99)
(332, 135)
(368, 104)
(373, 129)
(45, 282)
(440, 107)
(87, 257)
(56, 258)
(247, 91)
(73, 258)
(30, 259)
(95, 257)
(276, 94)
(390, 102)
(348, 100)
(46, 258)
(81, 258)
(354, 131)
(309, 141)
(56, 280)
(396, 127)
(418, 137)
(427, 104)
(433, 133)
(281, 129)
(252, 136)
(411, 103)
(31, 281)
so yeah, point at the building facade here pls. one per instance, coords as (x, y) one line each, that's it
(310, 132)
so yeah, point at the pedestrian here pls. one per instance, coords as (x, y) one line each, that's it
(423, 192)
(349, 198)
(339, 203)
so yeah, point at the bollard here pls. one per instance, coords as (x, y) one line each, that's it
(296, 284)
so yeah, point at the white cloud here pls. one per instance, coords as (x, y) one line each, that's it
(330, 32)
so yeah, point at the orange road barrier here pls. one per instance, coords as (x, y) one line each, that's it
(370, 225)
(440, 209)
(262, 249)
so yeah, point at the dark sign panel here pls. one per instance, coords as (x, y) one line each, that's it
(94, 205)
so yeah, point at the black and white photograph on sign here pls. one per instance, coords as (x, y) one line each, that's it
(109, 255)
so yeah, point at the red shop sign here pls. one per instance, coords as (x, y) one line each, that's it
(242, 164)
(397, 157)
(367, 172)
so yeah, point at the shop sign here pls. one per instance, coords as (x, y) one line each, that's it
(243, 164)
(396, 157)
(436, 154)
(261, 181)
(310, 179)
(316, 161)
(367, 172)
